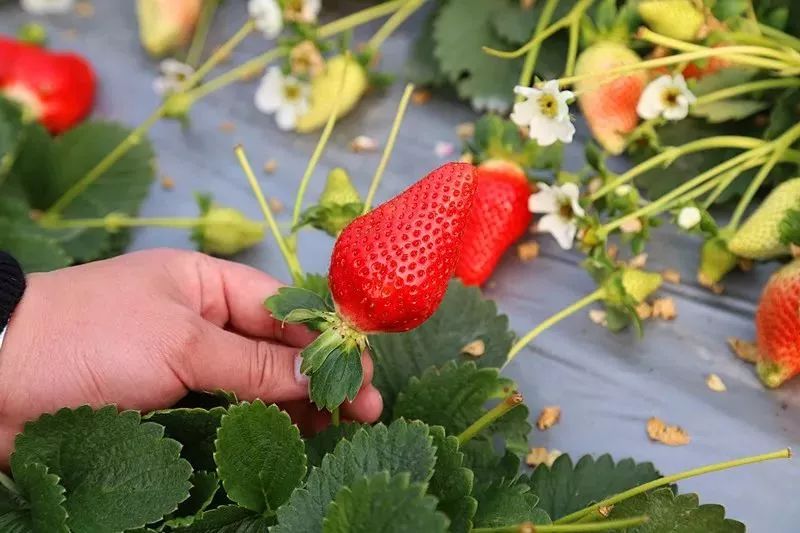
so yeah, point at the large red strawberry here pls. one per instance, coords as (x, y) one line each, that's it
(390, 268)
(499, 216)
(57, 89)
(609, 106)
(778, 327)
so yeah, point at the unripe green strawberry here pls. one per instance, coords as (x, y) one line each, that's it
(778, 327)
(679, 19)
(716, 260)
(759, 237)
(640, 284)
(609, 106)
(227, 231)
(338, 189)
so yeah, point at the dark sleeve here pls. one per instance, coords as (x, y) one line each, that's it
(12, 285)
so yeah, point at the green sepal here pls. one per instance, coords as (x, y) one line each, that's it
(315, 354)
(331, 219)
(339, 377)
(289, 299)
(790, 227)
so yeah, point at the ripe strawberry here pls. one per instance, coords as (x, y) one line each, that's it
(760, 235)
(679, 19)
(693, 71)
(609, 106)
(778, 327)
(499, 216)
(390, 268)
(56, 89)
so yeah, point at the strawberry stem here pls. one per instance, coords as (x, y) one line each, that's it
(509, 402)
(572, 47)
(668, 480)
(784, 38)
(115, 221)
(760, 85)
(599, 294)
(725, 181)
(387, 150)
(336, 417)
(392, 23)
(529, 65)
(237, 73)
(291, 260)
(527, 527)
(317, 154)
(207, 13)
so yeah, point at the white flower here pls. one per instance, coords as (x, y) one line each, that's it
(302, 10)
(47, 7)
(666, 96)
(286, 96)
(172, 75)
(267, 16)
(689, 217)
(545, 113)
(561, 211)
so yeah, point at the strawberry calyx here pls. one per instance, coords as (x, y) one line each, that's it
(500, 140)
(338, 204)
(771, 373)
(333, 360)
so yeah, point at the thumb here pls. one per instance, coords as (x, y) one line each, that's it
(248, 367)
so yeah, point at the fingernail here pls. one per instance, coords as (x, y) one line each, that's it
(298, 375)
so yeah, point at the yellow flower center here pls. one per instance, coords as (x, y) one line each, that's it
(291, 92)
(548, 105)
(565, 210)
(670, 96)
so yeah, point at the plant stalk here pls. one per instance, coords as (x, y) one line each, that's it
(392, 23)
(564, 313)
(607, 525)
(207, 13)
(291, 260)
(760, 85)
(509, 402)
(387, 150)
(113, 221)
(789, 40)
(528, 67)
(668, 480)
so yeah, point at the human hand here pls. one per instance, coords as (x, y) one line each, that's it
(143, 329)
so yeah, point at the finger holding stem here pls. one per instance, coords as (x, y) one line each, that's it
(291, 260)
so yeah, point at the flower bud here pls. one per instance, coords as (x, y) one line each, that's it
(227, 231)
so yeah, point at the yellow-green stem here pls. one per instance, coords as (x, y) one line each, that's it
(201, 31)
(529, 65)
(392, 23)
(359, 18)
(726, 180)
(219, 55)
(745, 88)
(733, 53)
(237, 73)
(121, 221)
(652, 37)
(572, 48)
(668, 480)
(133, 138)
(336, 417)
(608, 525)
(670, 154)
(711, 185)
(538, 38)
(509, 402)
(788, 40)
(291, 260)
(658, 205)
(387, 150)
(564, 313)
(317, 154)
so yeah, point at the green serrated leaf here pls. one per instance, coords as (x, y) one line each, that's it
(676, 514)
(340, 376)
(388, 505)
(329, 343)
(452, 482)
(15, 516)
(488, 466)
(228, 519)
(45, 497)
(196, 429)
(326, 440)
(789, 227)
(455, 395)
(260, 456)
(565, 488)
(204, 487)
(119, 473)
(785, 113)
(464, 316)
(401, 447)
(290, 298)
(422, 67)
(503, 503)
(34, 251)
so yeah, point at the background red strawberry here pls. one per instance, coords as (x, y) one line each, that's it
(390, 268)
(57, 89)
(499, 216)
(778, 327)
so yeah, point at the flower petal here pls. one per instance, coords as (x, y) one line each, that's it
(269, 95)
(561, 230)
(543, 201)
(523, 113)
(286, 117)
(573, 193)
(542, 130)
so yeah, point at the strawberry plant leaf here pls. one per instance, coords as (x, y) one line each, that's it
(674, 513)
(487, 465)
(45, 497)
(386, 504)
(733, 109)
(227, 519)
(499, 138)
(260, 455)
(204, 487)
(460, 31)
(318, 284)
(789, 227)
(10, 130)
(565, 488)
(455, 395)
(508, 502)
(452, 482)
(34, 251)
(339, 377)
(289, 299)
(464, 316)
(14, 513)
(326, 440)
(785, 113)
(422, 67)
(196, 429)
(118, 473)
(400, 447)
